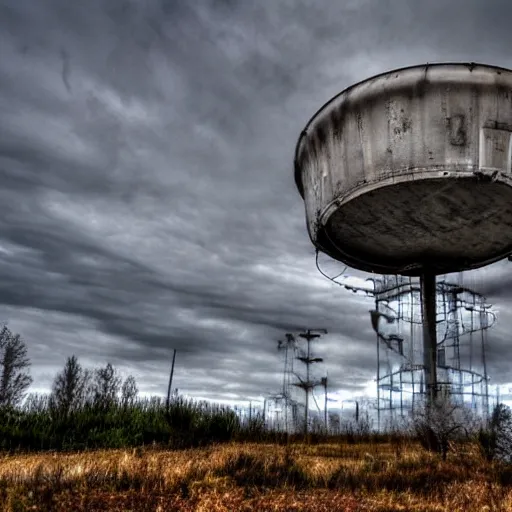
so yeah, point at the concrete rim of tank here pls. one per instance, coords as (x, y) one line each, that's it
(469, 65)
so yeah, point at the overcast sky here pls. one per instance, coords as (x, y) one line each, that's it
(147, 199)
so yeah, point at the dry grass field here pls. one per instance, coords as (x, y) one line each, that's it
(259, 477)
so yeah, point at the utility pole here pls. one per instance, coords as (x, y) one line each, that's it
(170, 381)
(308, 385)
(324, 384)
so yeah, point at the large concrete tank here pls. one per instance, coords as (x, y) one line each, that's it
(411, 169)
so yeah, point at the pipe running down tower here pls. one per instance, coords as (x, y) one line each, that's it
(409, 173)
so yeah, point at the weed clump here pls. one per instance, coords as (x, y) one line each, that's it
(247, 469)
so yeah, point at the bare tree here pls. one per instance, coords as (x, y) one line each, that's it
(129, 391)
(70, 386)
(440, 421)
(36, 403)
(14, 364)
(106, 385)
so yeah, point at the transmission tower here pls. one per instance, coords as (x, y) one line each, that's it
(289, 347)
(306, 358)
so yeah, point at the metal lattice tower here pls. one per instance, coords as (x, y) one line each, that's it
(462, 321)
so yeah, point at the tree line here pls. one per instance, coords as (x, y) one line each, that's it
(72, 388)
(92, 409)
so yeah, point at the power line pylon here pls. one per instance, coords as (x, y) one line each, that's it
(307, 385)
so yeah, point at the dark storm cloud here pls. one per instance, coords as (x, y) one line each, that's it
(147, 198)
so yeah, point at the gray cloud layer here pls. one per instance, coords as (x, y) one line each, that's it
(147, 199)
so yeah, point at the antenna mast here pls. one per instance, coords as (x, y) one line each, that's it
(308, 384)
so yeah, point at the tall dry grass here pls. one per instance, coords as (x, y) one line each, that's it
(232, 477)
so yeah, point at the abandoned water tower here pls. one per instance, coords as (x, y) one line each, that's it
(409, 173)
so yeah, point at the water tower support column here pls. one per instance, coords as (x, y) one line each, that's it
(428, 301)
